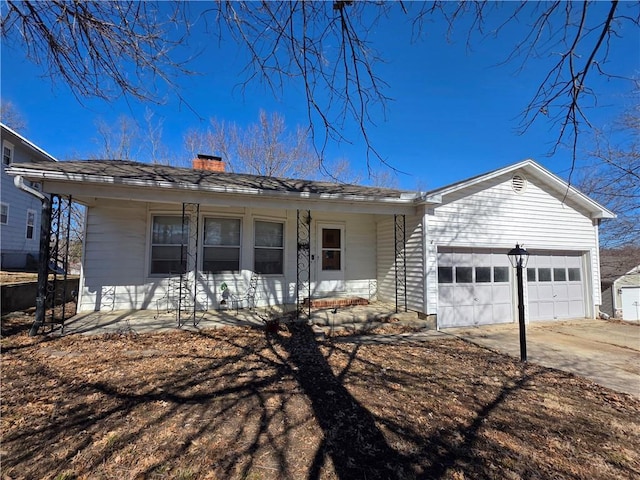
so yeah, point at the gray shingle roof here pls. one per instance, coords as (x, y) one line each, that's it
(154, 174)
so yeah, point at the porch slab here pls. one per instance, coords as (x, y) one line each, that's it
(324, 319)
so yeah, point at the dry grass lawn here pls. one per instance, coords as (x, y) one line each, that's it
(237, 403)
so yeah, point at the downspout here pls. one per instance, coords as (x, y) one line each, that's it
(43, 261)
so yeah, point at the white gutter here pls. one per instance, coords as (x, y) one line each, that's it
(405, 198)
(18, 181)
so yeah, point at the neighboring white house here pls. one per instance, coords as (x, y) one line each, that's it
(19, 211)
(442, 252)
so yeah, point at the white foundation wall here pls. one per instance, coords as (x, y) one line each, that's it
(116, 257)
(493, 215)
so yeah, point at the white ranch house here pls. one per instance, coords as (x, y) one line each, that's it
(440, 253)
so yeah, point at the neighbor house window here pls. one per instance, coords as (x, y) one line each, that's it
(221, 250)
(168, 245)
(4, 213)
(7, 153)
(269, 248)
(31, 221)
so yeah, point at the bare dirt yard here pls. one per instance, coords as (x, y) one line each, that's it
(237, 403)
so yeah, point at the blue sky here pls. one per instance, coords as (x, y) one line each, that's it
(454, 113)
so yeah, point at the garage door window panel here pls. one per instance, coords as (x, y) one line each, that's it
(559, 275)
(464, 274)
(483, 274)
(531, 275)
(574, 275)
(500, 274)
(445, 274)
(544, 274)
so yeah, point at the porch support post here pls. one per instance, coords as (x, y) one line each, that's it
(399, 236)
(43, 264)
(187, 288)
(303, 262)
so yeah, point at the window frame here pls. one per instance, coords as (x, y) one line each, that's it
(5, 206)
(183, 260)
(281, 248)
(31, 226)
(8, 145)
(237, 247)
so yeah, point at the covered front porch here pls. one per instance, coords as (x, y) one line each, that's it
(325, 320)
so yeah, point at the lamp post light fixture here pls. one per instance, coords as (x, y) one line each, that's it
(518, 258)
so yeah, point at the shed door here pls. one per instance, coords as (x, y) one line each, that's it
(630, 303)
(555, 286)
(473, 288)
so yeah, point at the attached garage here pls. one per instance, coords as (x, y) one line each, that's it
(555, 286)
(478, 287)
(474, 287)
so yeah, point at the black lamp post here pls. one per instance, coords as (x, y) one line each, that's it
(518, 257)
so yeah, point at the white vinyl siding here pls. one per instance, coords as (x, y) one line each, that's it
(116, 277)
(491, 214)
(386, 261)
(115, 258)
(414, 259)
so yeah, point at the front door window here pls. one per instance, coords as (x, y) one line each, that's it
(331, 249)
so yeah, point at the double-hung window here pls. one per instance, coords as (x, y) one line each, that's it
(221, 250)
(31, 222)
(4, 213)
(168, 244)
(7, 153)
(269, 247)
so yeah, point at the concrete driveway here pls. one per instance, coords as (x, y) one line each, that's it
(607, 353)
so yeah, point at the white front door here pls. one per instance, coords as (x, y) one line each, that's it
(331, 261)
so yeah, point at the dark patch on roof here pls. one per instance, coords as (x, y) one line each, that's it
(124, 169)
(614, 263)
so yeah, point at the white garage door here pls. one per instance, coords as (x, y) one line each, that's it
(630, 303)
(474, 288)
(555, 285)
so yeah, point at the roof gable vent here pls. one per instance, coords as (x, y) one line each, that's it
(518, 183)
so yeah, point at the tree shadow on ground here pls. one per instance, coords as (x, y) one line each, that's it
(352, 440)
(237, 403)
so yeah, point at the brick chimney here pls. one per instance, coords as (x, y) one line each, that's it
(210, 163)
